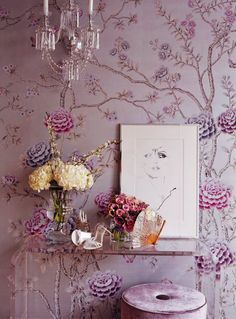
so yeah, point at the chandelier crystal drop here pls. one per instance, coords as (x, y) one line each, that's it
(83, 41)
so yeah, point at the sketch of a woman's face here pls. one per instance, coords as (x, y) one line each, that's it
(155, 162)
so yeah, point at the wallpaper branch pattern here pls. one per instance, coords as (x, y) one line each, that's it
(159, 62)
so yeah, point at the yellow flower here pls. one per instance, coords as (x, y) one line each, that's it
(40, 178)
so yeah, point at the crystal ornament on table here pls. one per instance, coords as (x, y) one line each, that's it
(82, 40)
(148, 226)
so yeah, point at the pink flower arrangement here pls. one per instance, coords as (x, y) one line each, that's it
(213, 193)
(124, 211)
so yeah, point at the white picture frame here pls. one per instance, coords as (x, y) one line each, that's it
(160, 163)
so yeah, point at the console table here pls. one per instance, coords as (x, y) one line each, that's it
(49, 279)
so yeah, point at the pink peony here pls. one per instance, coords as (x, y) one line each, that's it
(227, 121)
(61, 120)
(220, 256)
(213, 193)
(38, 222)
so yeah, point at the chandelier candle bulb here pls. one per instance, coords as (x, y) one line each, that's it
(90, 7)
(97, 42)
(45, 7)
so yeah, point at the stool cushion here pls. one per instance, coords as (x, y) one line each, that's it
(159, 300)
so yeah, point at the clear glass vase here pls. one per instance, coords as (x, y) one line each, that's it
(59, 212)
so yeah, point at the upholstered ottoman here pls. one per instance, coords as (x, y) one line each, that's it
(162, 301)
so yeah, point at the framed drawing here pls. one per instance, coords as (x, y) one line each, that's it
(159, 165)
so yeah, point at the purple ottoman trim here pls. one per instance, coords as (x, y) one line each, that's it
(149, 301)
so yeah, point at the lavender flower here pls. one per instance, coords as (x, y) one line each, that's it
(162, 55)
(160, 73)
(207, 127)
(9, 68)
(77, 155)
(227, 121)
(205, 264)
(38, 154)
(122, 57)
(165, 51)
(113, 51)
(102, 200)
(9, 180)
(103, 285)
(125, 45)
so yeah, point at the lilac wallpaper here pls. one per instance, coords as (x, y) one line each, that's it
(159, 62)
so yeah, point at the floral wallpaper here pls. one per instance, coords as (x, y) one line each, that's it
(159, 62)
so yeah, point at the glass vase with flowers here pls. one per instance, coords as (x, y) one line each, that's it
(124, 211)
(61, 177)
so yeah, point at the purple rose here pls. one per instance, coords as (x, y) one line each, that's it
(103, 285)
(213, 193)
(102, 200)
(227, 121)
(206, 124)
(38, 222)
(61, 121)
(9, 180)
(38, 154)
(220, 256)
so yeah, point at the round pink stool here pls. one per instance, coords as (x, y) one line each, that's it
(162, 301)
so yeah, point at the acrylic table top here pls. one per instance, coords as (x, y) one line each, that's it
(164, 247)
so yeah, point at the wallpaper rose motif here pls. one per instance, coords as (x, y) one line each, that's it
(214, 193)
(103, 285)
(174, 64)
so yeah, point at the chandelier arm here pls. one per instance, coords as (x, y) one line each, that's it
(58, 35)
(53, 65)
(83, 41)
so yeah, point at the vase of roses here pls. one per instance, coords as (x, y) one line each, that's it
(124, 211)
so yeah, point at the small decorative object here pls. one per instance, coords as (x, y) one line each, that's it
(147, 228)
(96, 241)
(78, 236)
(82, 221)
(124, 210)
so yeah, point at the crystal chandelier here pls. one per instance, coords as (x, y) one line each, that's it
(82, 40)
